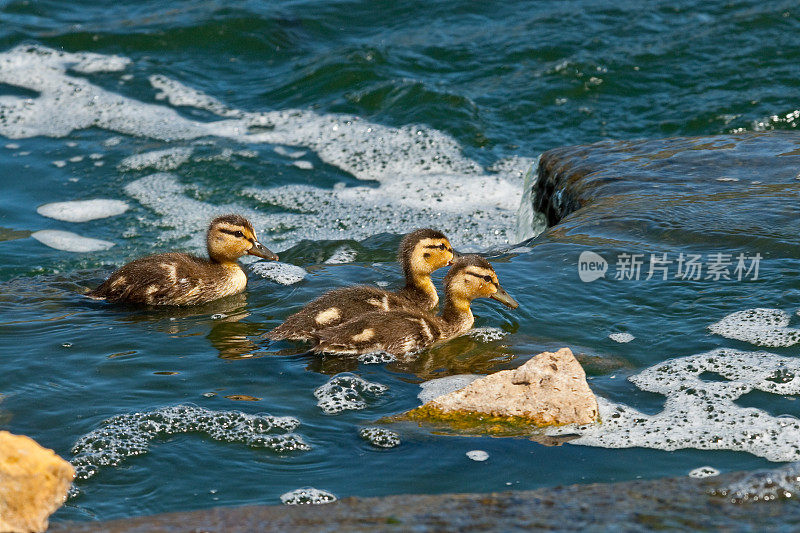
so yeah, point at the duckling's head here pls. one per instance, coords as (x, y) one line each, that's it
(423, 251)
(470, 277)
(231, 236)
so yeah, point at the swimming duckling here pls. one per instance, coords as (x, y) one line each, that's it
(402, 332)
(183, 279)
(421, 252)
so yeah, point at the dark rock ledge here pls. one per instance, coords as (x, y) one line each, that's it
(671, 504)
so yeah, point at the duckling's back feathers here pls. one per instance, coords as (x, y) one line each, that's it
(396, 332)
(171, 279)
(335, 307)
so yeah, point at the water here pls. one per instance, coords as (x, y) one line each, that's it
(335, 127)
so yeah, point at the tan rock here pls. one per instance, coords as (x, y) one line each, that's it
(34, 482)
(549, 389)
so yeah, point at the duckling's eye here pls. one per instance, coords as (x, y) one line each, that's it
(443, 246)
(239, 234)
(488, 278)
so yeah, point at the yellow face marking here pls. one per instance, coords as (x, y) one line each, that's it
(430, 255)
(327, 316)
(364, 336)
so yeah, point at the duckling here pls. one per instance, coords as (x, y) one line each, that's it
(421, 253)
(402, 332)
(183, 279)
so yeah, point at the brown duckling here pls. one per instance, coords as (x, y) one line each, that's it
(421, 253)
(183, 279)
(402, 332)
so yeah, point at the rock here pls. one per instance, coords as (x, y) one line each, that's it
(34, 482)
(550, 389)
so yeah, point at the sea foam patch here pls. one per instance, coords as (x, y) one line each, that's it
(70, 242)
(764, 486)
(380, 437)
(422, 176)
(759, 326)
(83, 210)
(347, 392)
(168, 159)
(701, 413)
(307, 496)
(282, 273)
(127, 435)
(487, 334)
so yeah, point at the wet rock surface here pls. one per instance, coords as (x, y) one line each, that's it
(33, 483)
(653, 505)
(655, 188)
(549, 389)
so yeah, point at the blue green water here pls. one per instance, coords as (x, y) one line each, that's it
(406, 114)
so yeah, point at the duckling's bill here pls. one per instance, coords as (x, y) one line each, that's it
(504, 298)
(259, 250)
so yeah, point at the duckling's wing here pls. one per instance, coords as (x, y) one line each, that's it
(153, 280)
(333, 308)
(395, 332)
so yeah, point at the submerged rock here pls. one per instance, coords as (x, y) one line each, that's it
(550, 389)
(34, 482)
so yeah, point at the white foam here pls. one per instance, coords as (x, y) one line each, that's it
(487, 334)
(441, 386)
(293, 154)
(12, 146)
(127, 435)
(70, 242)
(477, 455)
(304, 165)
(380, 437)
(83, 210)
(704, 471)
(89, 63)
(623, 337)
(375, 358)
(347, 392)
(422, 177)
(165, 195)
(179, 94)
(59, 163)
(760, 326)
(307, 496)
(282, 273)
(764, 486)
(168, 159)
(343, 254)
(76, 159)
(701, 413)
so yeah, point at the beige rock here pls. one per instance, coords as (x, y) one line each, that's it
(34, 482)
(549, 389)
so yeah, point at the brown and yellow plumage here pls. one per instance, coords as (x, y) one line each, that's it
(183, 279)
(402, 332)
(421, 253)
